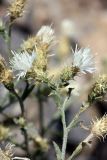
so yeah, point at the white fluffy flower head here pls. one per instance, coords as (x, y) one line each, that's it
(22, 62)
(47, 35)
(84, 60)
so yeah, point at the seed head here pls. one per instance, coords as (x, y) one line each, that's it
(98, 90)
(99, 127)
(16, 9)
(7, 152)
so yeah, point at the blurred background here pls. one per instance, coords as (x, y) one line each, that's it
(81, 22)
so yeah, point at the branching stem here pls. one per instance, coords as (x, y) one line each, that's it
(65, 131)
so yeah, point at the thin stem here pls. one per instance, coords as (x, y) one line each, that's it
(20, 102)
(55, 118)
(65, 137)
(23, 98)
(41, 116)
(66, 129)
(22, 114)
(9, 38)
(65, 132)
(26, 140)
(26, 89)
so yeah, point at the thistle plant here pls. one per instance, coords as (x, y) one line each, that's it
(30, 64)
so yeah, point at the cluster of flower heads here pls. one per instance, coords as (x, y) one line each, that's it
(33, 56)
(37, 50)
(32, 63)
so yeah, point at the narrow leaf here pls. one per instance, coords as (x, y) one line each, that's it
(58, 151)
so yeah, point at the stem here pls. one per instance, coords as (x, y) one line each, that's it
(20, 102)
(26, 140)
(9, 38)
(22, 114)
(65, 131)
(23, 98)
(25, 90)
(41, 117)
(9, 43)
(65, 137)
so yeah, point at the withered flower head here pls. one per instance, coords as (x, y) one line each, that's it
(7, 153)
(99, 127)
(16, 9)
(98, 90)
(6, 76)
